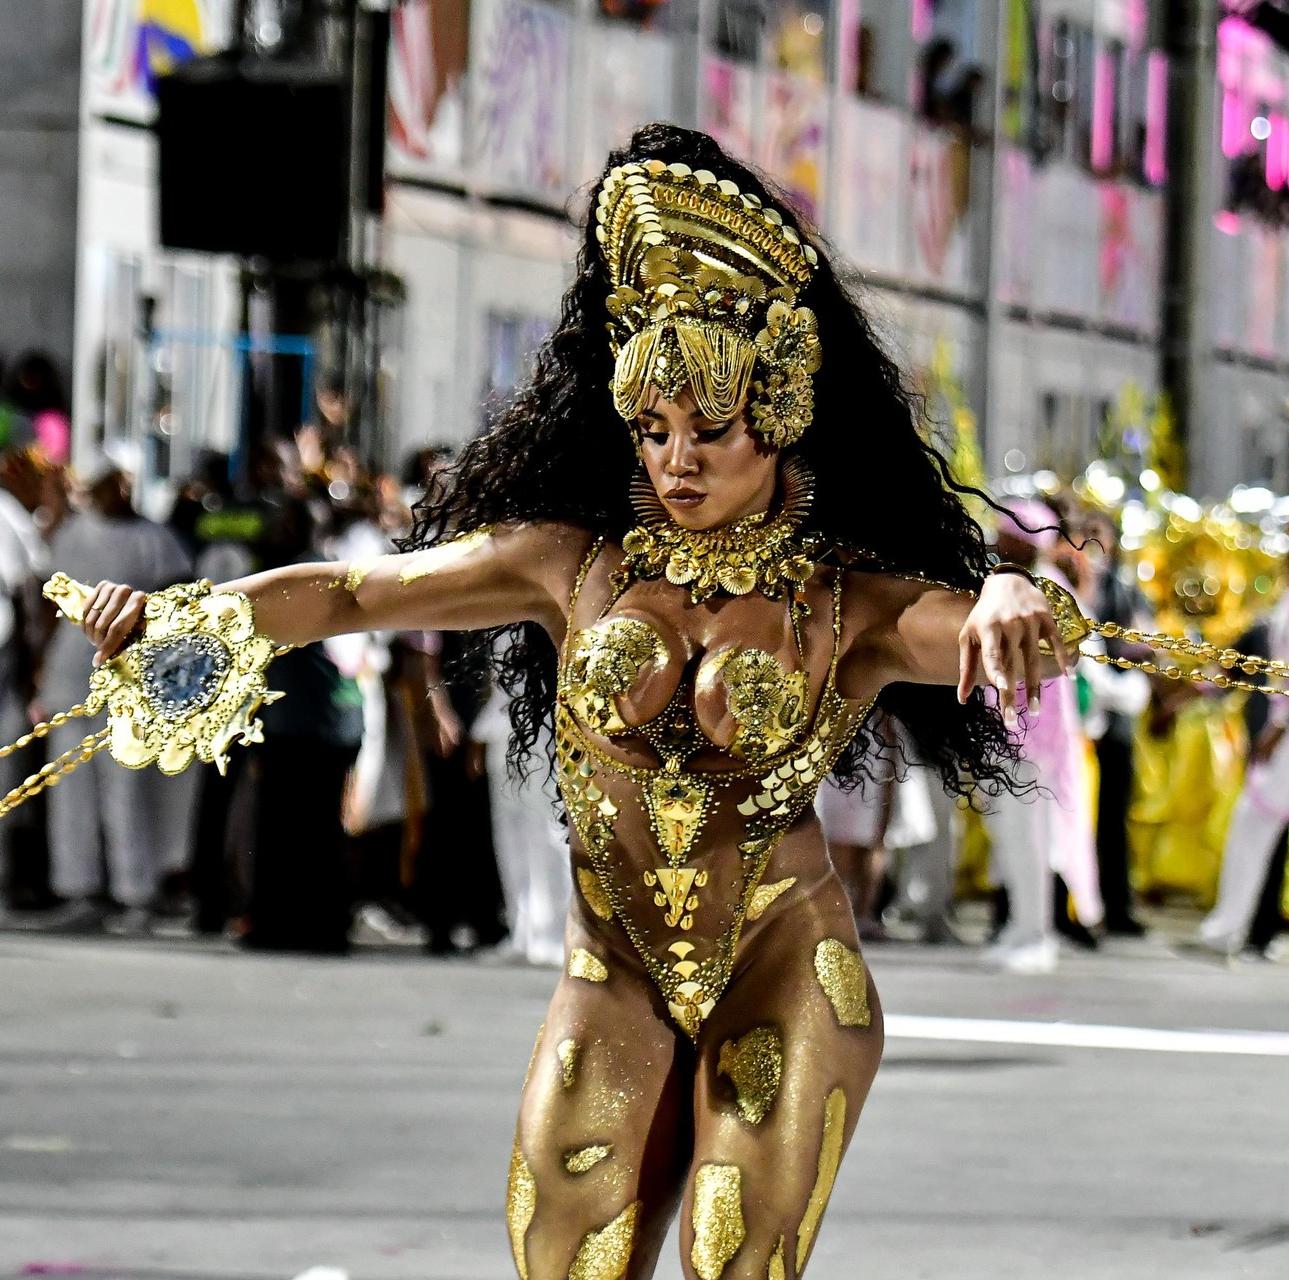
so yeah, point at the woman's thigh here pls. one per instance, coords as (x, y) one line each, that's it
(604, 1135)
(785, 1065)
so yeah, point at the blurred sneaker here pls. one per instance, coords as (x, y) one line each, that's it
(1223, 949)
(79, 916)
(133, 922)
(1027, 958)
(374, 925)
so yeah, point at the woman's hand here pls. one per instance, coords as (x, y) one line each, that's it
(111, 616)
(1000, 638)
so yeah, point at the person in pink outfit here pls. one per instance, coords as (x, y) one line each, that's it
(1050, 828)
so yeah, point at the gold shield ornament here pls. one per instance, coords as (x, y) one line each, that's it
(187, 688)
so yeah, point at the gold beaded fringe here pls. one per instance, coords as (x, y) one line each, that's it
(51, 774)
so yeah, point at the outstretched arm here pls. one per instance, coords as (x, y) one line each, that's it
(927, 634)
(511, 573)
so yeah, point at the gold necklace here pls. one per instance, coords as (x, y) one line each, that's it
(757, 553)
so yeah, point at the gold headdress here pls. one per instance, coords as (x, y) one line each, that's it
(706, 281)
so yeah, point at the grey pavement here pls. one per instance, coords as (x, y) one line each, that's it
(180, 1110)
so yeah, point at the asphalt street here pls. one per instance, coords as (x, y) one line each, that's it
(179, 1110)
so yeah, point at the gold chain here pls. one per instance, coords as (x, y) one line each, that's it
(51, 774)
(42, 729)
(1203, 650)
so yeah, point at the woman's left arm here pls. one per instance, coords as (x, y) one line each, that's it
(932, 635)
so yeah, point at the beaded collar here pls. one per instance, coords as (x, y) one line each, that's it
(758, 553)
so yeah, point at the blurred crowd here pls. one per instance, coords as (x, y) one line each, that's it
(379, 811)
(1143, 795)
(368, 813)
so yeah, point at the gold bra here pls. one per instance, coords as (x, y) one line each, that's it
(767, 703)
(786, 752)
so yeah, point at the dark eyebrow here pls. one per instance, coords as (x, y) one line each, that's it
(652, 413)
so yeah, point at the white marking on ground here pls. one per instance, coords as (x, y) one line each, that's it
(1079, 1035)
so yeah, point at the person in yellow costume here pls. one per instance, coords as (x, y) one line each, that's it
(709, 552)
(1188, 752)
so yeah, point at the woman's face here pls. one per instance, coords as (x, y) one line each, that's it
(706, 473)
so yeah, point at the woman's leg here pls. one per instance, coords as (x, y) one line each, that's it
(785, 1064)
(604, 1131)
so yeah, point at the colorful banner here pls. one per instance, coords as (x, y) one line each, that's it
(1130, 231)
(872, 142)
(1264, 286)
(793, 138)
(940, 191)
(428, 53)
(521, 72)
(727, 105)
(631, 84)
(1014, 242)
(129, 43)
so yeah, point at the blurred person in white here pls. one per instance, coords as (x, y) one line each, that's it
(387, 793)
(885, 815)
(21, 565)
(1113, 699)
(530, 843)
(1049, 828)
(137, 823)
(1260, 818)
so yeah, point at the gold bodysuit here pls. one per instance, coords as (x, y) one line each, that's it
(715, 1032)
(779, 751)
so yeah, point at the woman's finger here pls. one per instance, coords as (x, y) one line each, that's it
(127, 619)
(994, 655)
(1015, 633)
(112, 607)
(968, 663)
(94, 606)
(1032, 662)
(1052, 634)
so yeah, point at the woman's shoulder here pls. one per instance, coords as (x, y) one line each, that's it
(552, 551)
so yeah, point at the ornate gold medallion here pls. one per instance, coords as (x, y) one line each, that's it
(189, 687)
(768, 704)
(677, 807)
(604, 662)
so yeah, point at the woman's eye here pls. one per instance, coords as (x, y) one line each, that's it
(654, 437)
(708, 434)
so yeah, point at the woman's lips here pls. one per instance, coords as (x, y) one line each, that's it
(685, 497)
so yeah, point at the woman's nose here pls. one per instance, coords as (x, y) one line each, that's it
(680, 457)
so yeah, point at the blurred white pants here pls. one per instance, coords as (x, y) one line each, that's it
(1260, 817)
(144, 821)
(533, 860)
(1022, 833)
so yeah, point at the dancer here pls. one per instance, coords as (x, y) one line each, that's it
(709, 601)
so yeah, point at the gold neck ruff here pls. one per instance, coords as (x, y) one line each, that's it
(758, 553)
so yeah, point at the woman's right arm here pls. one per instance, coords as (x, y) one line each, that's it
(509, 573)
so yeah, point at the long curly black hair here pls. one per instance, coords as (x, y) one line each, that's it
(558, 451)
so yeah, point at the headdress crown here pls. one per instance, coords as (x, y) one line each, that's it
(705, 286)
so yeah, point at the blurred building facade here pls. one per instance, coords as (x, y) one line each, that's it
(40, 69)
(997, 171)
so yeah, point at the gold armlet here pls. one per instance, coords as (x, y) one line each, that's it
(1074, 628)
(187, 688)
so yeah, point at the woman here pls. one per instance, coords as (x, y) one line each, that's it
(709, 602)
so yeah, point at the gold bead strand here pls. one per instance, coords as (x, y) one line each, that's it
(51, 774)
(42, 729)
(1196, 676)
